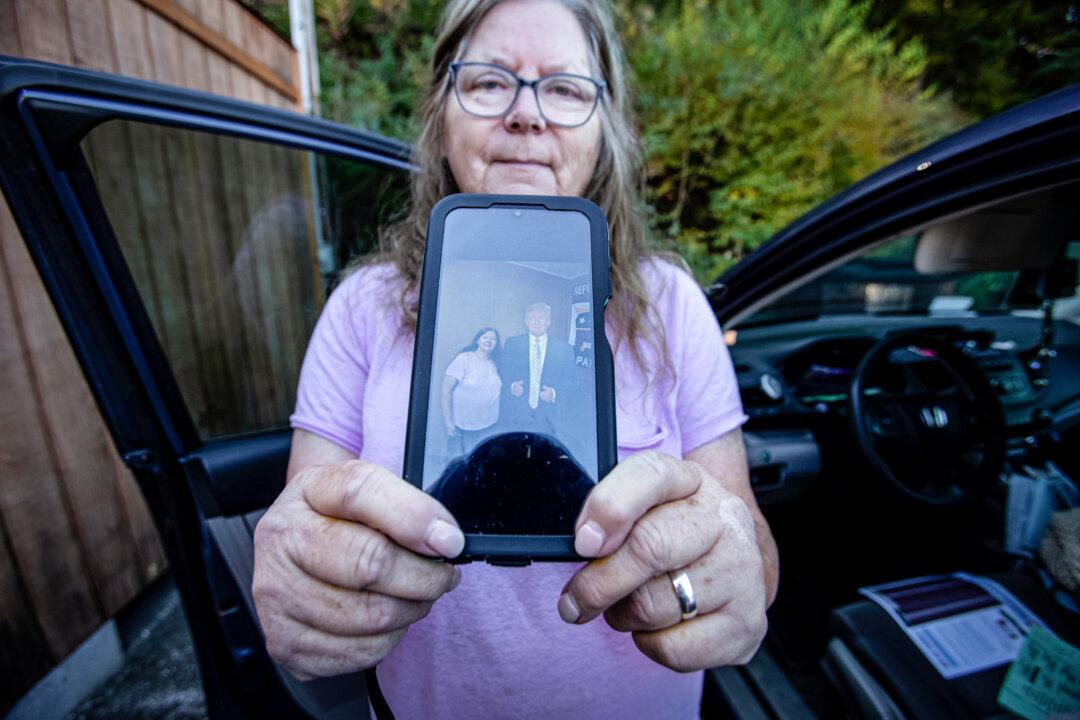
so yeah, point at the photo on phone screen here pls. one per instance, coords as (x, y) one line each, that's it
(511, 444)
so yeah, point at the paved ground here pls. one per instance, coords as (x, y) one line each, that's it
(160, 678)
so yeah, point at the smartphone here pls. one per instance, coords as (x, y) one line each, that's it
(512, 406)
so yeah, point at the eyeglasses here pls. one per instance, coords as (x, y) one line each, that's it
(488, 90)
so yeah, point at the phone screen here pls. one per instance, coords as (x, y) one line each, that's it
(511, 437)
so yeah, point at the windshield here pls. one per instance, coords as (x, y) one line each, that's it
(885, 281)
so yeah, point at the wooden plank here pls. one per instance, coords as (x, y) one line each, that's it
(152, 562)
(197, 371)
(36, 515)
(193, 61)
(272, 51)
(189, 6)
(165, 242)
(243, 83)
(129, 30)
(217, 241)
(227, 346)
(43, 30)
(298, 106)
(285, 57)
(187, 181)
(251, 88)
(253, 277)
(24, 655)
(281, 57)
(164, 50)
(297, 258)
(202, 379)
(238, 168)
(91, 38)
(234, 168)
(109, 153)
(256, 37)
(280, 287)
(274, 273)
(207, 264)
(212, 15)
(9, 29)
(254, 281)
(309, 286)
(244, 86)
(220, 78)
(80, 441)
(314, 278)
(226, 211)
(276, 99)
(232, 18)
(230, 47)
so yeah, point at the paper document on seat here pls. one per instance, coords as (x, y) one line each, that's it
(962, 623)
(1045, 680)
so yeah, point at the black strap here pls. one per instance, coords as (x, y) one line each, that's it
(375, 696)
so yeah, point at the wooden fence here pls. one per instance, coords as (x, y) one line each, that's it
(76, 540)
(219, 236)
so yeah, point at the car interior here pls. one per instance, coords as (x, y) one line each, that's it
(899, 385)
(972, 317)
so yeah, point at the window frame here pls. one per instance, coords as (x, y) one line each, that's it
(56, 117)
(189, 484)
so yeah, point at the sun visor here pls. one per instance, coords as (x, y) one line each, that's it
(1023, 234)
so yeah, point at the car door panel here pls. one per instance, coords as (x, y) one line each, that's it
(187, 243)
(239, 476)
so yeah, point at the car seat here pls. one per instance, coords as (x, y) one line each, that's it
(882, 674)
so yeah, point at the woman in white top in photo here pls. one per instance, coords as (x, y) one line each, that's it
(470, 392)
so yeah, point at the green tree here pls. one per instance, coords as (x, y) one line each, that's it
(990, 56)
(373, 61)
(754, 112)
(373, 58)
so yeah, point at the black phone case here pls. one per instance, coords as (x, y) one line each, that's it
(511, 549)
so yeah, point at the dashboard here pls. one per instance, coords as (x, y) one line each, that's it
(794, 379)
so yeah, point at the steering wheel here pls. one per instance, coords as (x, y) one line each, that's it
(926, 418)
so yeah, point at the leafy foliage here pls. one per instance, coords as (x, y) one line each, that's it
(991, 56)
(373, 61)
(754, 112)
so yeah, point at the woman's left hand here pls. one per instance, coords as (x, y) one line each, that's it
(653, 515)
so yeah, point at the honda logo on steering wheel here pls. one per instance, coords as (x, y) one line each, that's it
(934, 417)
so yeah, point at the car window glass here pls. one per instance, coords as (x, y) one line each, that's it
(885, 279)
(1068, 308)
(233, 245)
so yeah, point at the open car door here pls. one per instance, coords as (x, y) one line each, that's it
(188, 242)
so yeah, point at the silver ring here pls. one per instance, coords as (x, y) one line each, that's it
(685, 592)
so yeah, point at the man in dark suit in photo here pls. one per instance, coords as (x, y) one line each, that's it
(538, 374)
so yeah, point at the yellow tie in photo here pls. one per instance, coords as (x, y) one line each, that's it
(534, 374)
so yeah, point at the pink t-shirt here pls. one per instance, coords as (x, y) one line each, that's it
(495, 647)
(475, 398)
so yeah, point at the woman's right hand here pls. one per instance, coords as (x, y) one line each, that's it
(339, 572)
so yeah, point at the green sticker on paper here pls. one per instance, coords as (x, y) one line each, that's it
(1044, 680)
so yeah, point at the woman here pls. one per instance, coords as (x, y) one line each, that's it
(340, 572)
(470, 392)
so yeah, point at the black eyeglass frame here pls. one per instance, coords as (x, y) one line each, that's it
(522, 82)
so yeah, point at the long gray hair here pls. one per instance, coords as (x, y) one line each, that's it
(615, 186)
